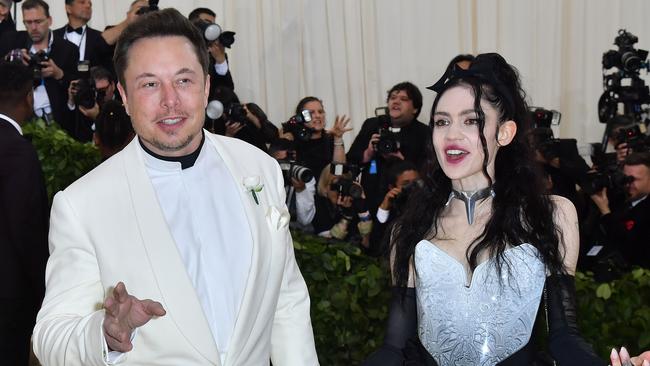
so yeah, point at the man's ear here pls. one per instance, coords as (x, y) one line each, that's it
(125, 101)
(507, 132)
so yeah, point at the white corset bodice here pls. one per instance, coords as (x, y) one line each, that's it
(486, 322)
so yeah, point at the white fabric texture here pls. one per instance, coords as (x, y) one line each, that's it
(349, 53)
(211, 234)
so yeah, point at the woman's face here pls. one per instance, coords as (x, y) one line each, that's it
(317, 115)
(456, 138)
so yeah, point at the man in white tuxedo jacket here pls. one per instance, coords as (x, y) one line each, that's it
(175, 251)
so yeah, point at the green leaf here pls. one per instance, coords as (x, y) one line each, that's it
(604, 291)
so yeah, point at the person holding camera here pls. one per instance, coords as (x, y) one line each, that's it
(341, 209)
(219, 69)
(299, 184)
(86, 97)
(628, 229)
(53, 61)
(385, 139)
(315, 146)
(247, 122)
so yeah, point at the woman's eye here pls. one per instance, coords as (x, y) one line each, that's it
(440, 122)
(471, 121)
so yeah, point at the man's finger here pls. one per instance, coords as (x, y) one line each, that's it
(119, 292)
(153, 308)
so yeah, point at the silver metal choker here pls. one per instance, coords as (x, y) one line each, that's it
(470, 198)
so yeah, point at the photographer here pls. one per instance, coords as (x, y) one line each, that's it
(53, 61)
(341, 209)
(404, 138)
(219, 68)
(7, 24)
(86, 98)
(247, 122)
(628, 229)
(401, 179)
(316, 146)
(299, 184)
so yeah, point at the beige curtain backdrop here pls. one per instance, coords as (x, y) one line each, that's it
(349, 52)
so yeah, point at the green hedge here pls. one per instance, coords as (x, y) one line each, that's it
(64, 159)
(349, 291)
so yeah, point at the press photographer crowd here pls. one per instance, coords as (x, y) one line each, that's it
(352, 195)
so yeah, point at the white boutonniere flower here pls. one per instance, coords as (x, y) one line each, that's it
(254, 185)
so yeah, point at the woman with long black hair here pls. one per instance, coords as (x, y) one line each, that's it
(480, 246)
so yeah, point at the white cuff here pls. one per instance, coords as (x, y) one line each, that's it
(113, 357)
(71, 107)
(382, 215)
(222, 68)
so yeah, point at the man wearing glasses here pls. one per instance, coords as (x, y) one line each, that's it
(53, 61)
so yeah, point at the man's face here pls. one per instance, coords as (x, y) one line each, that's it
(166, 93)
(4, 10)
(80, 9)
(407, 177)
(207, 18)
(106, 88)
(641, 184)
(37, 24)
(400, 108)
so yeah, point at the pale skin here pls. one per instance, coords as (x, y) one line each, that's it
(455, 127)
(166, 98)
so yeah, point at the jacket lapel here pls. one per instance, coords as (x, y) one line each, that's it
(260, 261)
(178, 295)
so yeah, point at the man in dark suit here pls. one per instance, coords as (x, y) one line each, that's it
(6, 23)
(50, 94)
(91, 44)
(628, 229)
(23, 218)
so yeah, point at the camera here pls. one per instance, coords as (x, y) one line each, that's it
(635, 137)
(388, 141)
(213, 31)
(35, 64)
(236, 113)
(347, 187)
(86, 94)
(594, 182)
(542, 138)
(152, 6)
(296, 126)
(632, 92)
(292, 169)
(626, 57)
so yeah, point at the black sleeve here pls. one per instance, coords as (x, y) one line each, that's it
(402, 326)
(217, 80)
(565, 342)
(355, 154)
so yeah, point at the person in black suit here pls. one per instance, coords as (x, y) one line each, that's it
(50, 95)
(92, 46)
(23, 218)
(628, 229)
(400, 123)
(6, 22)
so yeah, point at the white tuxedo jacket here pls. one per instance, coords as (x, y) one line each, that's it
(108, 227)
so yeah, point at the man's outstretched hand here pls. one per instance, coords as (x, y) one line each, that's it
(123, 314)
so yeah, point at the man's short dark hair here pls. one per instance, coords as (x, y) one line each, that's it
(413, 93)
(196, 13)
(16, 81)
(33, 4)
(164, 23)
(101, 73)
(68, 2)
(638, 158)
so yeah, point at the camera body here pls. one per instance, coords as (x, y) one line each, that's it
(152, 6)
(388, 141)
(35, 64)
(347, 187)
(626, 58)
(86, 95)
(293, 169)
(296, 126)
(635, 137)
(236, 112)
(594, 182)
(543, 139)
(213, 32)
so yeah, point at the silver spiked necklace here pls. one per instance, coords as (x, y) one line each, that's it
(470, 198)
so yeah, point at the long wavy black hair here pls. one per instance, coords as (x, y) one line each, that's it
(521, 212)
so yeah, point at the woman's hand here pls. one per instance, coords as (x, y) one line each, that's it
(623, 358)
(340, 126)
